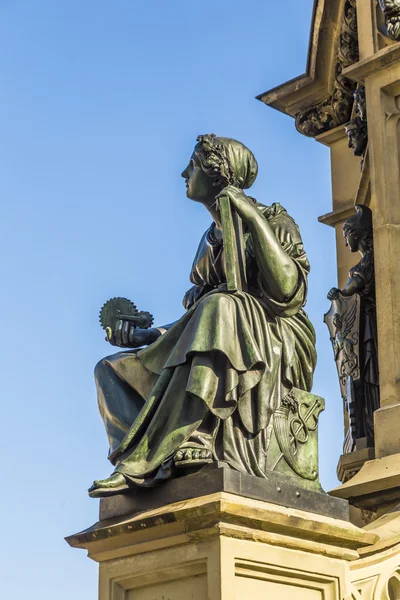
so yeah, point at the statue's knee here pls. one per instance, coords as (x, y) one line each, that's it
(218, 300)
(101, 368)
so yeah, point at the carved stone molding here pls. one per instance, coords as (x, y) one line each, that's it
(335, 110)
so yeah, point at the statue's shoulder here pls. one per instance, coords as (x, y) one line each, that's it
(280, 220)
(364, 268)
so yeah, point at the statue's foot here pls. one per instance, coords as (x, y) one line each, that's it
(116, 484)
(192, 457)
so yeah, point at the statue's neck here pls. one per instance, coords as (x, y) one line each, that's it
(363, 250)
(211, 207)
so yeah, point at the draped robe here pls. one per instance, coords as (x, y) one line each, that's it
(214, 379)
(368, 400)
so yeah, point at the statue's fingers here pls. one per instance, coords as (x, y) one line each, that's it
(131, 335)
(118, 333)
(125, 333)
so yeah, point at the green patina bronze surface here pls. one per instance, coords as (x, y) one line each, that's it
(230, 380)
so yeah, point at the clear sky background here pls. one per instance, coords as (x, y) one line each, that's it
(100, 106)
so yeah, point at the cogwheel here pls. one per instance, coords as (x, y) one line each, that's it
(145, 319)
(114, 307)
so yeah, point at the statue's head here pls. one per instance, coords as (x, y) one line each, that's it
(217, 162)
(391, 10)
(357, 230)
(390, 7)
(357, 134)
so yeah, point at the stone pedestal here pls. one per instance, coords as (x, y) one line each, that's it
(223, 545)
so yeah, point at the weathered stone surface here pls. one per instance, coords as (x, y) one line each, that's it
(349, 464)
(375, 487)
(223, 547)
(201, 514)
(387, 437)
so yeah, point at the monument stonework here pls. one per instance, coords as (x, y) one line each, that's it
(211, 420)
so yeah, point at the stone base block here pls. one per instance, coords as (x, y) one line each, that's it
(222, 546)
(218, 477)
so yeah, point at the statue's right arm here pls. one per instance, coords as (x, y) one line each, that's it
(126, 336)
(354, 286)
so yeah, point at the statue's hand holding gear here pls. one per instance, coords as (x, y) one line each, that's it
(334, 294)
(127, 336)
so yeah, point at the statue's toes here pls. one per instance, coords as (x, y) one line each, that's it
(116, 484)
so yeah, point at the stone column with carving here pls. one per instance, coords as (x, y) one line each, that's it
(379, 73)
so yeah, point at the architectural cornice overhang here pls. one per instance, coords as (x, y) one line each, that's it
(332, 48)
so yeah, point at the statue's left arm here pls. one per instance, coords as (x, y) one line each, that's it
(278, 272)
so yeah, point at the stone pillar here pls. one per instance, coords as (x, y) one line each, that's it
(380, 73)
(375, 487)
(345, 170)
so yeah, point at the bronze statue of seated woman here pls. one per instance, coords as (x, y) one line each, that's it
(206, 387)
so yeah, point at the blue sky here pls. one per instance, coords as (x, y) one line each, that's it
(100, 107)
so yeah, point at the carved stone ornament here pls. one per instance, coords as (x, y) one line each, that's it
(360, 103)
(391, 10)
(357, 134)
(295, 428)
(357, 128)
(336, 109)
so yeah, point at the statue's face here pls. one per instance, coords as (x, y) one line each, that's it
(199, 186)
(357, 141)
(351, 241)
(390, 6)
(351, 138)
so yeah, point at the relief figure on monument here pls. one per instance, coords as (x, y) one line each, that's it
(391, 11)
(357, 128)
(352, 324)
(206, 388)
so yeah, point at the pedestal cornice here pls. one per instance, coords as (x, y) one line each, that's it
(226, 515)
